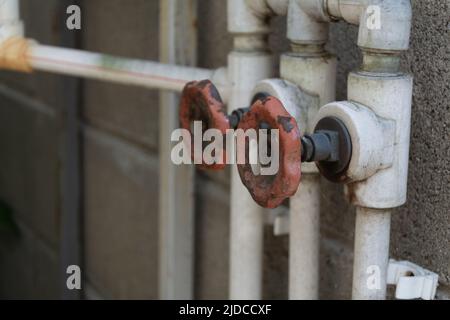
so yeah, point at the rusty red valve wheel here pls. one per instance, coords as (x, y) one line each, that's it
(270, 191)
(330, 147)
(201, 101)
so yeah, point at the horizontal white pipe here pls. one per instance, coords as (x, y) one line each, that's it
(114, 69)
(371, 255)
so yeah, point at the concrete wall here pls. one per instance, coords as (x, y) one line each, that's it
(30, 170)
(120, 164)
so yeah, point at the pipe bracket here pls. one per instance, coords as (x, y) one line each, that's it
(411, 280)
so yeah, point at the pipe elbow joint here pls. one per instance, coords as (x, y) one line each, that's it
(268, 8)
(251, 16)
(385, 25)
(307, 22)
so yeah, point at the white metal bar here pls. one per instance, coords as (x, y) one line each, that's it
(371, 254)
(176, 207)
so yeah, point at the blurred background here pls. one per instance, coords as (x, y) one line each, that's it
(100, 186)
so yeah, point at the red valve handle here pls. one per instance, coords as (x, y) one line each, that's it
(270, 191)
(201, 101)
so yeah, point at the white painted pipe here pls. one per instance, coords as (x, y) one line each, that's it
(98, 66)
(384, 25)
(313, 70)
(267, 8)
(384, 28)
(9, 10)
(247, 218)
(377, 116)
(314, 74)
(248, 63)
(304, 237)
(10, 23)
(305, 205)
(303, 28)
(371, 254)
(177, 44)
(389, 97)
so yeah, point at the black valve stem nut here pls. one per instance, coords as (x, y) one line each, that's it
(322, 145)
(236, 116)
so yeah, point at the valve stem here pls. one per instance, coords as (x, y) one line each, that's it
(320, 146)
(236, 116)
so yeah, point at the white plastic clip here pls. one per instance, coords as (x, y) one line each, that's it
(279, 218)
(412, 281)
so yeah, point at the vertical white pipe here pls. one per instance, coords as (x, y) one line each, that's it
(304, 240)
(9, 10)
(313, 69)
(247, 218)
(315, 73)
(10, 23)
(248, 63)
(176, 201)
(371, 254)
(389, 95)
(246, 243)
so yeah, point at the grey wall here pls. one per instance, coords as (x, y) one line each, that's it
(31, 111)
(120, 163)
